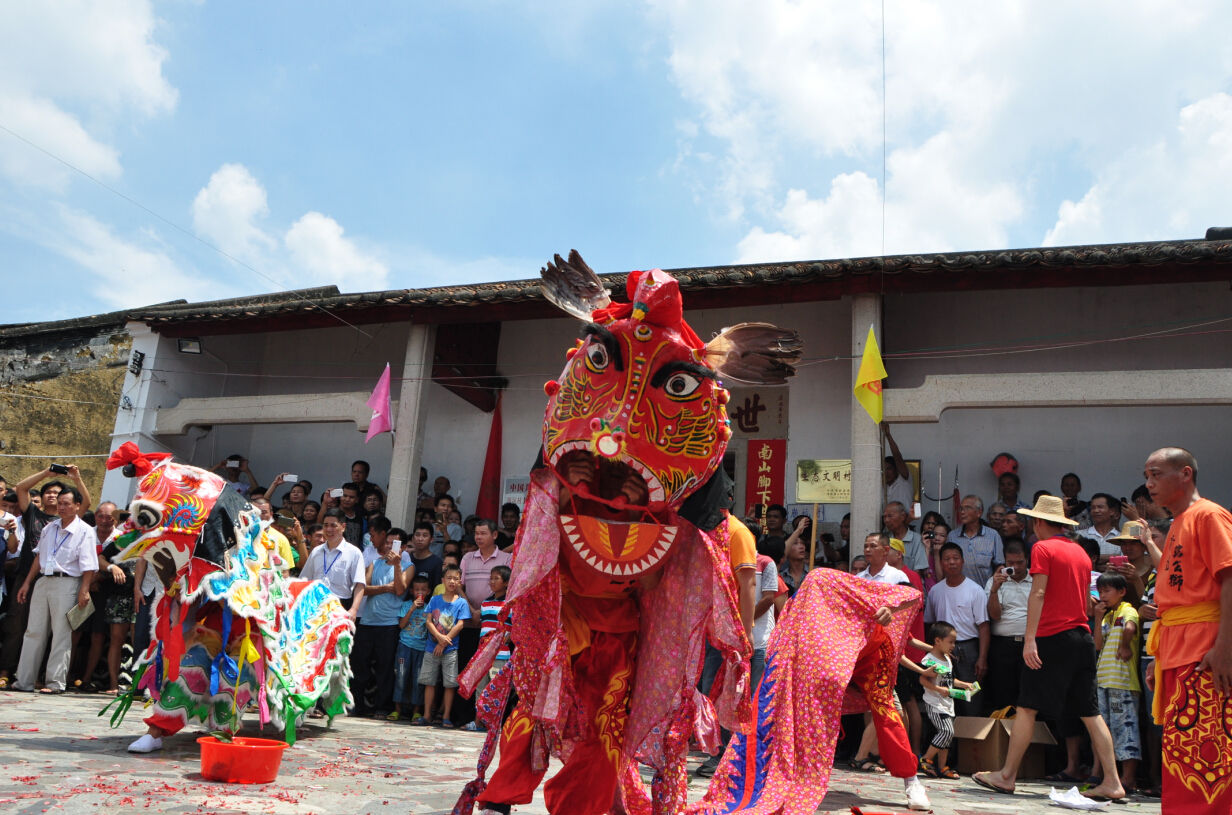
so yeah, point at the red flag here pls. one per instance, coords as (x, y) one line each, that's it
(382, 410)
(488, 503)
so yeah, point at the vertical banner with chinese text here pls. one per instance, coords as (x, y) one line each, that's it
(764, 474)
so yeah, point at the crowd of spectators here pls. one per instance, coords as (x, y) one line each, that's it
(421, 599)
(976, 575)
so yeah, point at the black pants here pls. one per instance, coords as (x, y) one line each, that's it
(966, 654)
(468, 643)
(13, 629)
(1004, 672)
(372, 662)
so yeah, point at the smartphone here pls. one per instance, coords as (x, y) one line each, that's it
(917, 510)
(233, 462)
(336, 492)
(58, 469)
(290, 479)
(284, 522)
(1118, 560)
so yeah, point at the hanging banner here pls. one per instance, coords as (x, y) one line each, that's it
(764, 474)
(823, 481)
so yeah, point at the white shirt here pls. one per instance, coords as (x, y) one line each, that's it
(1106, 546)
(964, 607)
(70, 550)
(901, 491)
(888, 574)
(1013, 596)
(763, 626)
(340, 568)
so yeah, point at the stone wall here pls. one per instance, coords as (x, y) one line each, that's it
(58, 398)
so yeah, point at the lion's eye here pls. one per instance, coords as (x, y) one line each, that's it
(146, 515)
(597, 357)
(682, 385)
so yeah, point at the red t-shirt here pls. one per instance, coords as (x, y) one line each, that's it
(1068, 569)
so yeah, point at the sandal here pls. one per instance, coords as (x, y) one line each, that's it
(4, 683)
(393, 717)
(928, 767)
(866, 765)
(948, 774)
(1063, 778)
(419, 721)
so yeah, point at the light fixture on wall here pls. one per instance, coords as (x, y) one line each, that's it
(189, 345)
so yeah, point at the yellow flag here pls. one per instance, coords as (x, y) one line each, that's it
(868, 380)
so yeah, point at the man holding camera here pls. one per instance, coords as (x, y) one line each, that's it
(1008, 590)
(33, 519)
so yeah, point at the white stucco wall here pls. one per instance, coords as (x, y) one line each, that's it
(1105, 446)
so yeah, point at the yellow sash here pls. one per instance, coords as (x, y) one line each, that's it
(1205, 612)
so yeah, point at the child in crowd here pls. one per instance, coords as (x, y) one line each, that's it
(490, 624)
(1116, 675)
(449, 560)
(939, 700)
(412, 643)
(446, 614)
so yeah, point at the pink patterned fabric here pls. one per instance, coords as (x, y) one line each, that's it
(784, 767)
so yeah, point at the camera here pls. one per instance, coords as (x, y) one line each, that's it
(336, 492)
(58, 469)
(1008, 571)
(290, 479)
(233, 462)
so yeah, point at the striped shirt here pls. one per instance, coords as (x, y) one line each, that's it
(489, 622)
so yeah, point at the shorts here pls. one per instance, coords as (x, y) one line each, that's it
(943, 727)
(1119, 708)
(408, 662)
(1065, 685)
(908, 686)
(443, 668)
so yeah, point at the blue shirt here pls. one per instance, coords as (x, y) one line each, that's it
(980, 552)
(415, 635)
(381, 609)
(445, 614)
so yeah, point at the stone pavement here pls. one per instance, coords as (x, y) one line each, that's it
(57, 756)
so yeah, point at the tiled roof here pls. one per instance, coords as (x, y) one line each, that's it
(1077, 264)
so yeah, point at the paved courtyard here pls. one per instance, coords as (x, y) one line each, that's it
(57, 756)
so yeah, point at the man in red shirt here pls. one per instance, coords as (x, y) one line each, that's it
(1192, 642)
(1059, 652)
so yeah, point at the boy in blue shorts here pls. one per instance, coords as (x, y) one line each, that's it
(412, 642)
(446, 614)
(1116, 674)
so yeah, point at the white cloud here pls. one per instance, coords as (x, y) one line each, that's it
(1172, 189)
(71, 72)
(323, 254)
(987, 105)
(129, 273)
(226, 209)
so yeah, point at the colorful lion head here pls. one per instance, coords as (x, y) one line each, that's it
(637, 421)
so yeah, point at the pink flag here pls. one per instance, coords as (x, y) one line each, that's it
(382, 420)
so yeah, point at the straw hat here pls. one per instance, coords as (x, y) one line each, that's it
(1049, 508)
(1130, 532)
(898, 546)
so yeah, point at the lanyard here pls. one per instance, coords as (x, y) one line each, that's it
(56, 549)
(330, 564)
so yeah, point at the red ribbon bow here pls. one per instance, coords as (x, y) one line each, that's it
(127, 453)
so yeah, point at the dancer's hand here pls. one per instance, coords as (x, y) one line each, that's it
(1218, 661)
(883, 616)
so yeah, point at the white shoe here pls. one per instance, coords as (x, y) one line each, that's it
(917, 798)
(145, 744)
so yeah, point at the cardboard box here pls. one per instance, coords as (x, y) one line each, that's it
(986, 741)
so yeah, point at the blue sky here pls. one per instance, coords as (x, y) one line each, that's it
(417, 144)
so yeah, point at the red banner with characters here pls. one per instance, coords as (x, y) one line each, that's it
(764, 475)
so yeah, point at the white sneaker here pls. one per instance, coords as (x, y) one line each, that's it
(145, 744)
(917, 798)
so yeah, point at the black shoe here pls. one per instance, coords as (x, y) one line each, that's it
(708, 768)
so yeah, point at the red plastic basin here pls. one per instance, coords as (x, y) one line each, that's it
(242, 761)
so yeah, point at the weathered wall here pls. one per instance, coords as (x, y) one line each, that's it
(58, 398)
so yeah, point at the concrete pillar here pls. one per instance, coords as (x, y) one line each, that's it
(142, 396)
(867, 482)
(409, 425)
